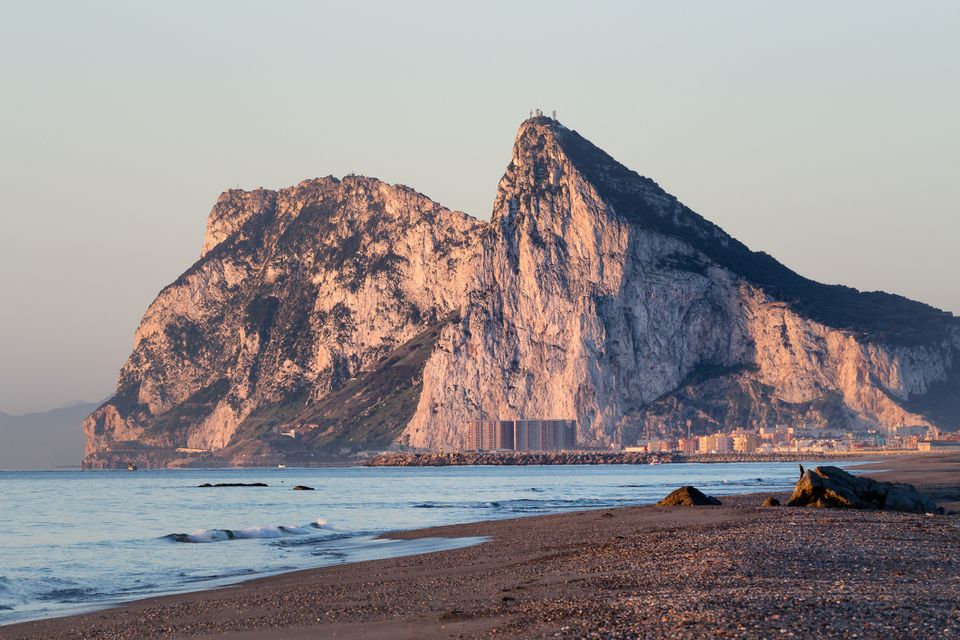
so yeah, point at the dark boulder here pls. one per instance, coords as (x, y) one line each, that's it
(688, 497)
(831, 487)
(771, 502)
(302, 487)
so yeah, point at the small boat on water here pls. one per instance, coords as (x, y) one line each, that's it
(131, 466)
(281, 466)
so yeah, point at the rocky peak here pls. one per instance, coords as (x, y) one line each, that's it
(537, 167)
(545, 151)
(366, 196)
(607, 300)
(233, 209)
(297, 291)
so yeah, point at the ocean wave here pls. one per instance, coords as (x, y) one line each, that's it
(70, 595)
(204, 577)
(298, 542)
(526, 505)
(248, 533)
(743, 482)
(456, 505)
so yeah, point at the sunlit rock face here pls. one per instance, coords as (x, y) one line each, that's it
(297, 291)
(364, 313)
(601, 297)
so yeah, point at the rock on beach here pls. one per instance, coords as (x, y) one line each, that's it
(834, 488)
(688, 497)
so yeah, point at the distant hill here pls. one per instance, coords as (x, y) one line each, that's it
(43, 440)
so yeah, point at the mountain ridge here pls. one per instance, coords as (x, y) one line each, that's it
(633, 304)
(591, 293)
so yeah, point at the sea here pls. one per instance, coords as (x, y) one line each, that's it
(74, 541)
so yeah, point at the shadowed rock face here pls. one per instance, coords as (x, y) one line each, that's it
(834, 488)
(361, 313)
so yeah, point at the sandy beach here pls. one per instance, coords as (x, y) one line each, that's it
(641, 572)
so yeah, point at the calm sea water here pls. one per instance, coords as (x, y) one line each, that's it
(79, 540)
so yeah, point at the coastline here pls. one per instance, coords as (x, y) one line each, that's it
(155, 459)
(684, 572)
(524, 458)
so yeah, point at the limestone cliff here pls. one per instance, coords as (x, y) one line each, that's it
(603, 298)
(297, 292)
(359, 313)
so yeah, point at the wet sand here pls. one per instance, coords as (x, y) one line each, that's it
(686, 572)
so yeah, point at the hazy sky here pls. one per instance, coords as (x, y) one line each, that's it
(825, 133)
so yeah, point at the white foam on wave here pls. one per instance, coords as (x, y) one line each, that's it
(251, 533)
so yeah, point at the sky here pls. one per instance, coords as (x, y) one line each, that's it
(823, 133)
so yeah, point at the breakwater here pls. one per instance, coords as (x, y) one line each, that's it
(507, 458)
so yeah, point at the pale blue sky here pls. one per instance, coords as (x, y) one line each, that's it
(825, 133)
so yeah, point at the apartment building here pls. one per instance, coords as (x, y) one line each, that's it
(523, 435)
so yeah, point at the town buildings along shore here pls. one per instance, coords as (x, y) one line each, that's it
(523, 435)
